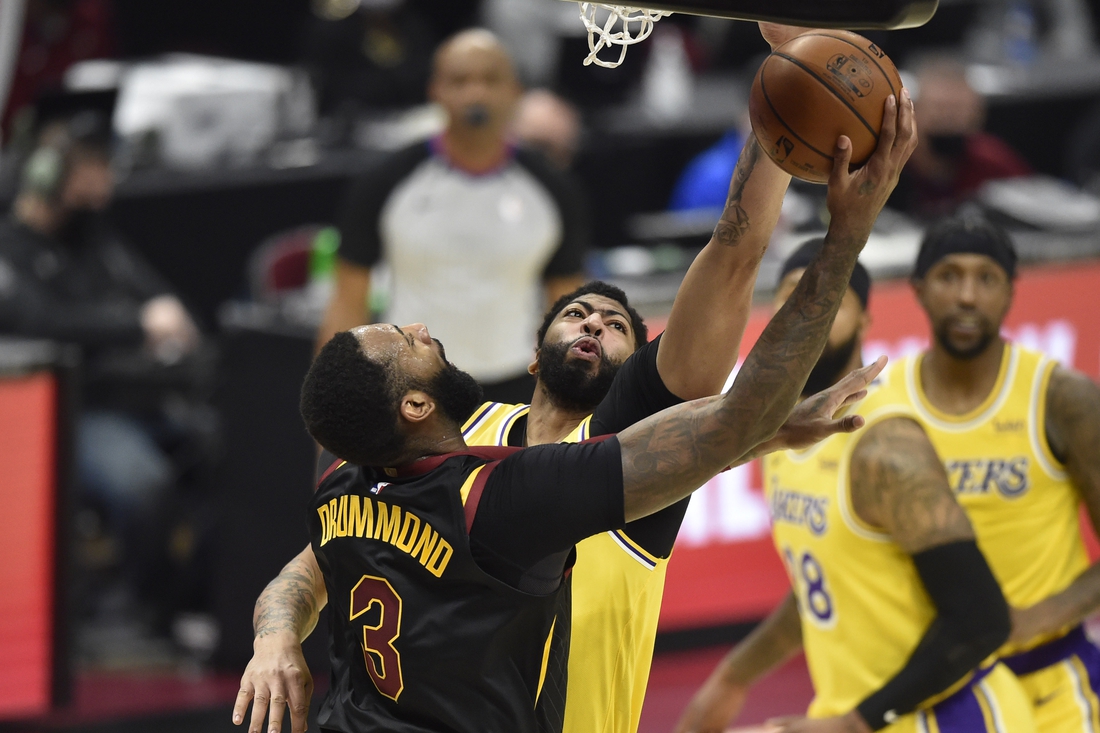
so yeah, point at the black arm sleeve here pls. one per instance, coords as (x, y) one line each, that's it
(360, 237)
(972, 621)
(540, 502)
(576, 234)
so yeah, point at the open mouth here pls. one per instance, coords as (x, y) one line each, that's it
(586, 348)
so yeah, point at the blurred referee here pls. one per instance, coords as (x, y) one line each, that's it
(476, 233)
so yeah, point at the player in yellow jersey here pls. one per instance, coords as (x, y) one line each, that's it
(891, 599)
(1019, 435)
(585, 338)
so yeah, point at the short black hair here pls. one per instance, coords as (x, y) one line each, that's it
(859, 282)
(597, 287)
(965, 234)
(349, 403)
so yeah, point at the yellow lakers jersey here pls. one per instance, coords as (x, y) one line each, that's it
(617, 589)
(1018, 496)
(861, 602)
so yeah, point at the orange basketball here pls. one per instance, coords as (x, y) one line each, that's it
(815, 88)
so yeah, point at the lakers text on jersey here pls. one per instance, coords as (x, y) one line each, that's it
(861, 602)
(1024, 511)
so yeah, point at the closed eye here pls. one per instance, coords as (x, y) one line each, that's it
(407, 336)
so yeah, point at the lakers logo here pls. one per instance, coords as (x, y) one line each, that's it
(976, 477)
(799, 509)
(851, 73)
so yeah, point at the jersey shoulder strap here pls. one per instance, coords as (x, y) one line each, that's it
(338, 463)
(472, 490)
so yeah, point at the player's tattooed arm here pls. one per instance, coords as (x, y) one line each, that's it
(701, 342)
(898, 483)
(720, 700)
(1073, 433)
(700, 345)
(815, 418)
(277, 677)
(735, 221)
(668, 456)
(292, 602)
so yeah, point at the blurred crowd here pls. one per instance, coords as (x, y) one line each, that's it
(472, 217)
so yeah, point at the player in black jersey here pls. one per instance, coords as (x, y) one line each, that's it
(515, 539)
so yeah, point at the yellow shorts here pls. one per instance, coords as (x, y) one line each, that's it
(1064, 685)
(996, 703)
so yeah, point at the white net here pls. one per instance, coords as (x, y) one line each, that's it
(616, 25)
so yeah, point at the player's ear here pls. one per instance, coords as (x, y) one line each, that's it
(416, 406)
(533, 367)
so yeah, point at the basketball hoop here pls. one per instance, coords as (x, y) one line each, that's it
(601, 36)
(626, 25)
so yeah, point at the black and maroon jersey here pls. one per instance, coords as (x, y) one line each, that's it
(424, 639)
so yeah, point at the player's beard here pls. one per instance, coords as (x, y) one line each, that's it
(572, 384)
(943, 338)
(829, 366)
(456, 392)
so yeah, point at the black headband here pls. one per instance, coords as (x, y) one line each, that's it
(959, 235)
(860, 282)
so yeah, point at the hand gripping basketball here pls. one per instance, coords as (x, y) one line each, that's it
(855, 198)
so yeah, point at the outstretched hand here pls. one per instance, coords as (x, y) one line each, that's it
(276, 679)
(855, 198)
(814, 419)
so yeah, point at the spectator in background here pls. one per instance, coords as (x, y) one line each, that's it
(479, 236)
(954, 156)
(705, 182)
(56, 34)
(65, 276)
(368, 54)
(549, 124)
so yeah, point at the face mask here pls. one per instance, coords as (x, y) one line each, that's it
(476, 115)
(948, 146)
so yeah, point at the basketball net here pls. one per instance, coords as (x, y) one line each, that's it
(635, 23)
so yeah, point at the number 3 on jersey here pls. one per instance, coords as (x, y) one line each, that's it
(379, 654)
(811, 590)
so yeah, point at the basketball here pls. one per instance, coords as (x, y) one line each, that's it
(813, 89)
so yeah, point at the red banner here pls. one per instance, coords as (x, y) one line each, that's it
(27, 440)
(725, 569)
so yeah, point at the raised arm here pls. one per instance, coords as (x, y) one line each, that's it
(667, 456)
(700, 344)
(719, 701)
(703, 336)
(277, 676)
(1073, 431)
(898, 483)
